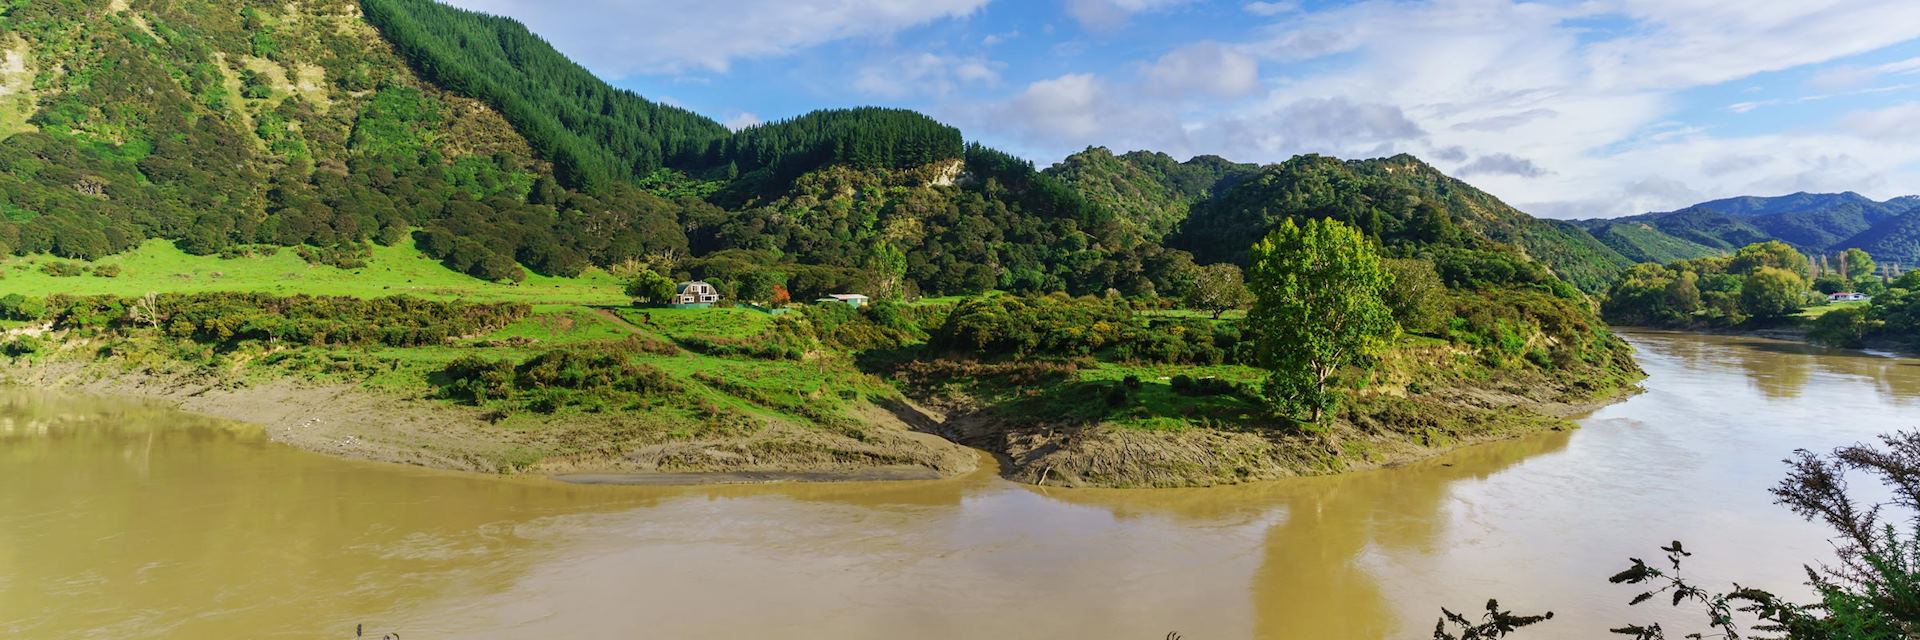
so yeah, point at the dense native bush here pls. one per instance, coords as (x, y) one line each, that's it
(1848, 328)
(478, 379)
(786, 339)
(14, 306)
(22, 346)
(1062, 326)
(1546, 330)
(218, 318)
(884, 324)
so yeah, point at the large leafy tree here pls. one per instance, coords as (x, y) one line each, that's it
(651, 287)
(1319, 308)
(1218, 288)
(1772, 253)
(1772, 293)
(1859, 263)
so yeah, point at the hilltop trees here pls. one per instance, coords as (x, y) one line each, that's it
(1319, 308)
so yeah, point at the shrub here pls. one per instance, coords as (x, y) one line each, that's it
(1846, 328)
(14, 306)
(107, 271)
(22, 345)
(59, 269)
(545, 378)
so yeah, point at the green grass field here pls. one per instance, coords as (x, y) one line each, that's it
(157, 266)
(1814, 313)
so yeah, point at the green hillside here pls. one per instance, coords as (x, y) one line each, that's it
(1400, 200)
(593, 133)
(1894, 239)
(1150, 193)
(433, 206)
(1814, 223)
(1643, 242)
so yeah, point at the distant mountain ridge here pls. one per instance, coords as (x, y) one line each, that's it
(1815, 223)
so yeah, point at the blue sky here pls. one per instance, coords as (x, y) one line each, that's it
(1573, 108)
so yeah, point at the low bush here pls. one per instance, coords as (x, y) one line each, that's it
(22, 346)
(14, 306)
(477, 379)
(59, 269)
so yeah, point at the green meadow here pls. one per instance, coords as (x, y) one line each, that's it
(158, 267)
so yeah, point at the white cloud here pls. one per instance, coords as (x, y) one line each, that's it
(624, 37)
(1106, 15)
(1700, 42)
(1504, 164)
(1205, 67)
(925, 74)
(1898, 122)
(741, 120)
(1335, 126)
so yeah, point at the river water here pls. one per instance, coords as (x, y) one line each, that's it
(124, 520)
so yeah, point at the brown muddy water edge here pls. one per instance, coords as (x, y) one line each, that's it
(353, 422)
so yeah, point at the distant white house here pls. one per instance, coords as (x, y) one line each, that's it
(854, 300)
(695, 292)
(1848, 297)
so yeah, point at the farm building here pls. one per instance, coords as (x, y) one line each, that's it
(695, 292)
(854, 300)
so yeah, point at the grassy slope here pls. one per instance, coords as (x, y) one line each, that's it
(567, 312)
(1643, 243)
(398, 270)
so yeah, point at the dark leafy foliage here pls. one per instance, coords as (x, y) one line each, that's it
(543, 379)
(998, 326)
(223, 318)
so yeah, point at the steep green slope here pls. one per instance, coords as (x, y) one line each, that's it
(1895, 239)
(1823, 228)
(220, 125)
(593, 132)
(1641, 241)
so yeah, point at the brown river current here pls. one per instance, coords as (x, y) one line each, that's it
(124, 520)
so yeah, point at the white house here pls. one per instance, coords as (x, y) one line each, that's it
(695, 292)
(854, 300)
(1848, 297)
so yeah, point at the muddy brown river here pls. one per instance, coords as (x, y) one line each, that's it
(124, 520)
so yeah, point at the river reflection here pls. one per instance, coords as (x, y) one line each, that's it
(127, 521)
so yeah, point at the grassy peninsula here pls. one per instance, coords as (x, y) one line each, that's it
(565, 375)
(398, 230)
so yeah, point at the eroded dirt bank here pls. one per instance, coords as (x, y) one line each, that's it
(352, 422)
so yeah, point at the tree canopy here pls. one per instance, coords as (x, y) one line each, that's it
(1319, 307)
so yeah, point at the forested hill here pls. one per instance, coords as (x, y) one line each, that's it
(332, 126)
(1814, 223)
(1393, 198)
